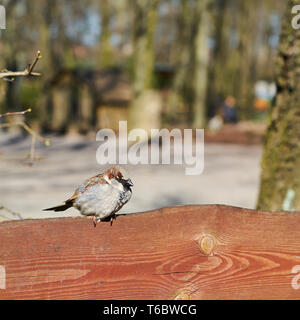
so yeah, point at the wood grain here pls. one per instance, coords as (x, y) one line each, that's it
(190, 252)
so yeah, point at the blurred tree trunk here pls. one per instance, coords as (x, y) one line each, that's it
(201, 61)
(142, 104)
(217, 86)
(8, 96)
(61, 107)
(238, 28)
(122, 28)
(50, 62)
(47, 65)
(105, 50)
(85, 119)
(248, 29)
(183, 49)
(280, 178)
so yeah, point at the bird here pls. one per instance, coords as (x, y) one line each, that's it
(100, 196)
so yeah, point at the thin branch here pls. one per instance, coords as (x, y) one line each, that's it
(15, 113)
(11, 212)
(32, 149)
(28, 129)
(9, 75)
(34, 135)
(31, 66)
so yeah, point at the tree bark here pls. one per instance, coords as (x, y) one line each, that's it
(8, 60)
(50, 63)
(221, 20)
(201, 65)
(106, 52)
(249, 11)
(280, 178)
(144, 28)
(183, 64)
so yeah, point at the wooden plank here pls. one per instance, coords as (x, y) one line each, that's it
(190, 252)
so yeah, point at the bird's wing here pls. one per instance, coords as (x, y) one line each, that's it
(97, 179)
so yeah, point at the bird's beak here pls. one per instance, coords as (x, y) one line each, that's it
(129, 183)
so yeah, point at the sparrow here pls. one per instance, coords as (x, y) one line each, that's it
(101, 196)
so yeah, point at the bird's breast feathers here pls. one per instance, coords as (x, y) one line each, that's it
(102, 199)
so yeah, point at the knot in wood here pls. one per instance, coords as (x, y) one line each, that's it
(183, 295)
(207, 244)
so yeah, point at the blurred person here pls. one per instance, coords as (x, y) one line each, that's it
(229, 110)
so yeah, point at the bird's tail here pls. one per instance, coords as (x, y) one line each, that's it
(62, 207)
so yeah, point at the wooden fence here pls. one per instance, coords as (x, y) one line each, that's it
(184, 252)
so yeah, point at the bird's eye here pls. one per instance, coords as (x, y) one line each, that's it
(129, 183)
(126, 183)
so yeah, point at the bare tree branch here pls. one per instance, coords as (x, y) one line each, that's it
(15, 113)
(10, 212)
(28, 129)
(34, 135)
(9, 75)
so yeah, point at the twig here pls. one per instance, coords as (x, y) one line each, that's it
(8, 75)
(28, 129)
(32, 148)
(15, 113)
(11, 212)
(34, 135)
(31, 66)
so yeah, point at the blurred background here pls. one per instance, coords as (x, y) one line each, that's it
(210, 64)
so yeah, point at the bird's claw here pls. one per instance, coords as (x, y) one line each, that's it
(94, 222)
(110, 219)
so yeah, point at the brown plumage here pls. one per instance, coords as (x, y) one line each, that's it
(100, 196)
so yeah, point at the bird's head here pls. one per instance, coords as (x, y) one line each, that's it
(118, 174)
